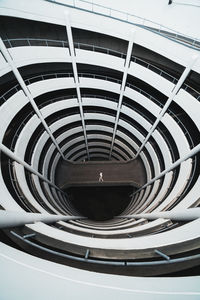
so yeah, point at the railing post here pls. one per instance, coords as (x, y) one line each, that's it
(162, 254)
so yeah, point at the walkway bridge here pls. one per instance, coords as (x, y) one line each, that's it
(87, 173)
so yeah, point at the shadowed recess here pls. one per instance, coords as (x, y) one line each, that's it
(100, 203)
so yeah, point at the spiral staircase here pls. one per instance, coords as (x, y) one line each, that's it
(77, 99)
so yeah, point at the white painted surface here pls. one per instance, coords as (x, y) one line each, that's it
(83, 284)
(177, 236)
(160, 195)
(171, 15)
(181, 182)
(21, 179)
(190, 105)
(38, 54)
(153, 79)
(9, 108)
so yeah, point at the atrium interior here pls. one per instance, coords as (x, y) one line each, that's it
(99, 149)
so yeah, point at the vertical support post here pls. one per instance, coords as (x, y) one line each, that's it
(169, 101)
(87, 254)
(76, 78)
(123, 86)
(162, 254)
(28, 94)
(26, 236)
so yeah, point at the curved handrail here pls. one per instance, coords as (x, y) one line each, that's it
(10, 43)
(74, 96)
(184, 129)
(33, 79)
(131, 19)
(14, 184)
(19, 129)
(61, 43)
(60, 98)
(22, 125)
(21, 197)
(16, 88)
(188, 185)
(86, 259)
(107, 78)
(154, 68)
(96, 76)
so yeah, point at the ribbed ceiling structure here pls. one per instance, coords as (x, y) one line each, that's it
(74, 92)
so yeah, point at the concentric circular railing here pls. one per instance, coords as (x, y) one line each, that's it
(30, 162)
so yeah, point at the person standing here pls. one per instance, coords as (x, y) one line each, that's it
(100, 177)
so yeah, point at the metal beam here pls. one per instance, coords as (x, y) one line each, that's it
(169, 101)
(12, 155)
(122, 89)
(76, 77)
(27, 92)
(15, 218)
(185, 215)
(191, 153)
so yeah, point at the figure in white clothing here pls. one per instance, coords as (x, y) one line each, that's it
(100, 177)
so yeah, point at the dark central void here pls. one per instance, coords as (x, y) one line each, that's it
(100, 203)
